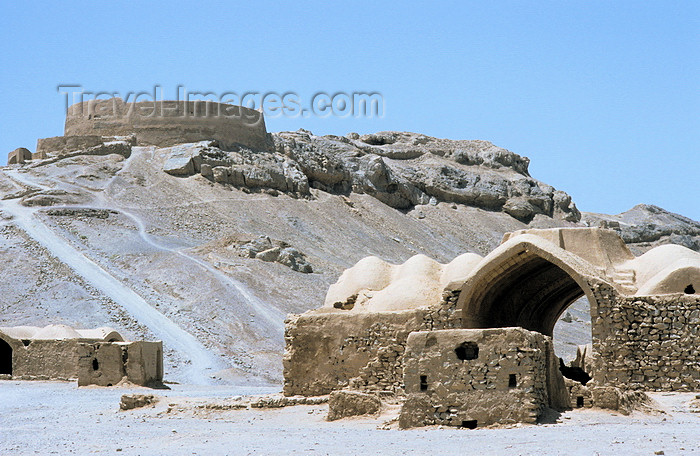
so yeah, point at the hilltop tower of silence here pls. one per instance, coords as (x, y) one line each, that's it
(468, 343)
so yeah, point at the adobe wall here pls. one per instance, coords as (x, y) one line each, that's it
(108, 363)
(69, 359)
(330, 350)
(62, 144)
(479, 377)
(166, 123)
(649, 342)
(46, 359)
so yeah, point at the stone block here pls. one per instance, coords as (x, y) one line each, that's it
(342, 404)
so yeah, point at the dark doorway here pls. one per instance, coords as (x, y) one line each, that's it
(5, 358)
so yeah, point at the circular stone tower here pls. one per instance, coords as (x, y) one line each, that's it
(165, 123)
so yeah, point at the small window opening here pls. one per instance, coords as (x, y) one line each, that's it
(26, 342)
(467, 350)
(689, 289)
(469, 424)
(512, 381)
(424, 383)
(95, 364)
(579, 401)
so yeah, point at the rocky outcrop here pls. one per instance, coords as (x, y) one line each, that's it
(265, 249)
(400, 169)
(50, 150)
(646, 226)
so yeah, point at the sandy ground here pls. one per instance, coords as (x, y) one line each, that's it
(60, 418)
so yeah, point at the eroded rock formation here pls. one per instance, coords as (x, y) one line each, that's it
(400, 169)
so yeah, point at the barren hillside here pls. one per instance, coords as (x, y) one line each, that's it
(211, 259)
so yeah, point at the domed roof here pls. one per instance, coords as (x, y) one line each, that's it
(381, 286)
(56, 332)
(667, 269)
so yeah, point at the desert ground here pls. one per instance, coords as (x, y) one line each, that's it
(42, 418)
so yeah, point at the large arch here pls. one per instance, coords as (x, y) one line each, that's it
(525, 282)
(5, 357)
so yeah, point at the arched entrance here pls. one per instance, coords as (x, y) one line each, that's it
(5, 358)
(522, 286)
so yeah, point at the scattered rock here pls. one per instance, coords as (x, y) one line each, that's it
(87, 212)
(277, 401)
(132, 401)
(265, 249)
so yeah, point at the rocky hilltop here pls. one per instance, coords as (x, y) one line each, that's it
(227, 240)
(646, 226)
(402, 170)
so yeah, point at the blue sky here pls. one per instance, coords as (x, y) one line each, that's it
(602, 96)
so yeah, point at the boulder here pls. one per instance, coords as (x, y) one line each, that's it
(181, 159)
(265, 249)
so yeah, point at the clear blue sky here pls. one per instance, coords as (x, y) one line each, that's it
(602, 96)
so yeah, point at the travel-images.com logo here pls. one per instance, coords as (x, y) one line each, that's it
(81, 102)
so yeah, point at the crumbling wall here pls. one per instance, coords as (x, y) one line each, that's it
(329, 350)
(18, 156)
(580, 395)
(108, 363)
(62, 144)
(648, 342)
(476, 377)
(46, 359)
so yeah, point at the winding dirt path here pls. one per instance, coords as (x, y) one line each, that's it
(200, 362)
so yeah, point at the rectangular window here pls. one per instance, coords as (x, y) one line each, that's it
(512, 381)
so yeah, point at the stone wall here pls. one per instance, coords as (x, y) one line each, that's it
(62, 144)
(45, 359)
(166, 123)
(478, 377)
(89, 361)
(648, 342)
(108, 363)
(329, 350)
